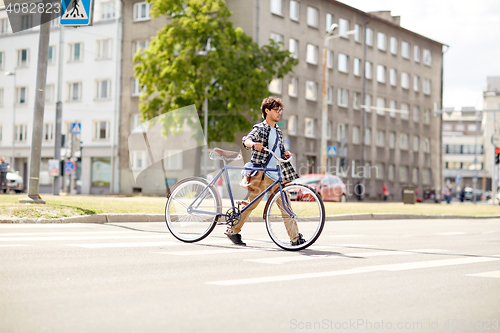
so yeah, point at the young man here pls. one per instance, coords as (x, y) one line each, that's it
(267, 134)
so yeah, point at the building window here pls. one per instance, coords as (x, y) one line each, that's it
(22, 95)
(403, 174)
(355, 135)
(49, 93)
(136, 125)
(471, 127)
(416, 53)
(369, 37)
(447, 127)
(311, 90)
(380, 138)
(278, 39)
(426, 145)
(379, 170)
(343, 62)
(74, 91)
(414, 175)
(329, 96)
(416, 83)
(103, 89)
(23, 58)
(368, 136)
(275, 86)
(425, 176)
(368, 103)
(310, 127)
(294, 10)
(21, 133)
(392, 106)
(341, 132)
(2, 60)
(381, 106)
(342, 97)
(76, 52)
(329, 59)
(312, 17)
(394, 45)
(381, 41)
(137, 160)
(135, 87)
(405, 80)
(293, 87)
(368, 70)
(459, 127)
(392, 140)
(329, 130)
(277, 7)
(357, 65)
(312, 54)
(427, 87)
(381, 73)
(329, 21)
(52, 55)
(104, 49)
(139, 45)
(416, 113)
(390, 172)
(403, 143)
(4, 26)
(393, 77)
(141, 11)
(357, 35)
(356, 102)
(292, 125)
(343, 27)
(101, 171)
(427, 57)
(405, 111)
(101, 130)
(26, 22)
(293, 47)
(107, 10)
(427, 117)
(48, 132)
(416, 143)
(405, 50)
(172, 159)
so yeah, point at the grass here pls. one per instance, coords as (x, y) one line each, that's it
(64, 206)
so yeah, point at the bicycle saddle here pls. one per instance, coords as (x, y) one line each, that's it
(221, 154)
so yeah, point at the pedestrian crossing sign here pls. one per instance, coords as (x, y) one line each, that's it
(332, 151)
(77, 13)
(76, 128)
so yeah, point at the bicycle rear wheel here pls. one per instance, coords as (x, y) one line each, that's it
(192, 226)
(307, 216)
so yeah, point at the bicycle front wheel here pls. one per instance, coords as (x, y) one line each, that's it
(192, 226)
(299, 210)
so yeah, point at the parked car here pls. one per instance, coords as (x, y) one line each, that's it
(480, 195)
(15, 181)
(329, 187)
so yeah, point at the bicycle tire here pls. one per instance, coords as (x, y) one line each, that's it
(309, 217)
(191, 227)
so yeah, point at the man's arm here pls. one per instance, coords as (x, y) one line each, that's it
(250, 144)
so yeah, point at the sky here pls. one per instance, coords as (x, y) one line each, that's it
(470, 28)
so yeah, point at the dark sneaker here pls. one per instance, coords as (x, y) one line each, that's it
(298, 241)
(236, 239)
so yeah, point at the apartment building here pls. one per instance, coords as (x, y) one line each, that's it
(90, 86)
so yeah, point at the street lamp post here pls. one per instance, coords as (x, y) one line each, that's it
(13, 121)
(324, 107)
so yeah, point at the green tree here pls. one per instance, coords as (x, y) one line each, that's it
(177, 68)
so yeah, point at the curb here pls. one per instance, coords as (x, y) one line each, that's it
(118, 218)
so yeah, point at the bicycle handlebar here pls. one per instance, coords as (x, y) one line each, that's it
(279, 159)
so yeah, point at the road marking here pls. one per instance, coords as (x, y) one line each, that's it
(18, 239)
(495, 274)
(201, 252)
(116, 245)
(347, 236)
(281, 260)
(450, 233)
(354, 245)
(14, 234)
(43, 225)
(392, 268)
(12, 245)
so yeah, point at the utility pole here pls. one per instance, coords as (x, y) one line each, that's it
(363, 130)
(36, 141)
(57, 148)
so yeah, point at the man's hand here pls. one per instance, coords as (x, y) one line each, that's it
(288, 154)
(258, 146)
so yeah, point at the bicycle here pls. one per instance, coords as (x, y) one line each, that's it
(194, 206)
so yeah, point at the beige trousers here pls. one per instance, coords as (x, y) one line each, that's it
(290, 224)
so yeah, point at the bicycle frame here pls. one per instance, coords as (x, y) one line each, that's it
(202, 195)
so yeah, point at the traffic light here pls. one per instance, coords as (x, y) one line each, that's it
(497, 155)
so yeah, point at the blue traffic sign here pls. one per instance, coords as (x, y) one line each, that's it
(76, 128)
(69, 167)
(332, 151)
(77, 12)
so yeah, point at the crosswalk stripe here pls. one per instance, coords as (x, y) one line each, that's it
(346, 236)
(15, 234)
(44, 225)
(392, 268)
(13, 245)
(495, 274)
(117, 245)
(450, 233)
(53, 238)
(208, 252)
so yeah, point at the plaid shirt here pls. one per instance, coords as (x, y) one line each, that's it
(260, 134)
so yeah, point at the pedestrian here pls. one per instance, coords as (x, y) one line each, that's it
(4, 168)
(266, 134)
(358, 190)
(385, 192)
(462, 194)
(447, 194)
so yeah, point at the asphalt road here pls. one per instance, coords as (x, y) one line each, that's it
(361, 276)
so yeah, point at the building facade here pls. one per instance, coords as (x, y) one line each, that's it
(89, 87)
(491, 125)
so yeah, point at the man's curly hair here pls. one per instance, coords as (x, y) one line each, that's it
(270, 103)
